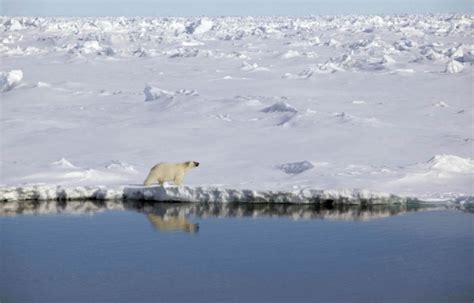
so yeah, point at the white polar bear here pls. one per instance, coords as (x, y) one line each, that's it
(164, 171)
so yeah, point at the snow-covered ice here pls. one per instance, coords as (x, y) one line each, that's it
(385, 102)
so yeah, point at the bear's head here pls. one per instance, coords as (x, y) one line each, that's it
(192, 164)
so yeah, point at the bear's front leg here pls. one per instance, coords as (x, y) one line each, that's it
(178, 180)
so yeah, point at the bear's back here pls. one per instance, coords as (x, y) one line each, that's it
(168, 169)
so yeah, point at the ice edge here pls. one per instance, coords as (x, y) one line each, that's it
(211, 195)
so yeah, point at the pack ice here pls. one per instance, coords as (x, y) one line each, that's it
(276, 109)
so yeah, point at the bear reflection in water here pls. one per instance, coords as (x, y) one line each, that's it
(169, 223)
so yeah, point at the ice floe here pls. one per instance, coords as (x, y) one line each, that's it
(194, 194)
(300, 80)
(10, 79)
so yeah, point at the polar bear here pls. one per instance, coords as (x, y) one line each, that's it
(164, 171)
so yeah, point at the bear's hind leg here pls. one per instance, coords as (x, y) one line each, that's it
(149, 180)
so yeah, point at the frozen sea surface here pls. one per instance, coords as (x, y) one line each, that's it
(164, 252)
(377, 103)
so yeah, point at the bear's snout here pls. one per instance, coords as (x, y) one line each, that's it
(196, 163)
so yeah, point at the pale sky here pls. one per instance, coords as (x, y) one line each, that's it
(227, 7)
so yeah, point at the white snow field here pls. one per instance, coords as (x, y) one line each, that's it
(275, 109)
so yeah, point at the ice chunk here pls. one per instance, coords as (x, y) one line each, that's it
(154, 93)
(141, 52)
(456, 53)
(388, 60)
(248, 67)
(453, 67)
(181, 52)
(279, 107)
(187, 92)
(8, 80)
(296, 167)
(252, 67)
(13, 25)
(333, 43)
(200, 26)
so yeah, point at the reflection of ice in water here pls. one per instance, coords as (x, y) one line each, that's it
(174, 216)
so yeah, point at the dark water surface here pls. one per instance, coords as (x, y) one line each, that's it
(83, 252)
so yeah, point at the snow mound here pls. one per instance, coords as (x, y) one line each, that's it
(192, 43)
(63, 163)
(9, 80)
(186, 52)
(333, 43)
(87, 47)
(440, 104)
(67, 175)
(248, 67)
(296, 167)
(120, 166)
(200, 26)
(327, 68)
(158, 94)
(355, 120)
(451, 163)
(187, 92)
(279, 107)
(451, 175)
(453, 67)
(252, 67)
(290, 54)
(42, 84)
